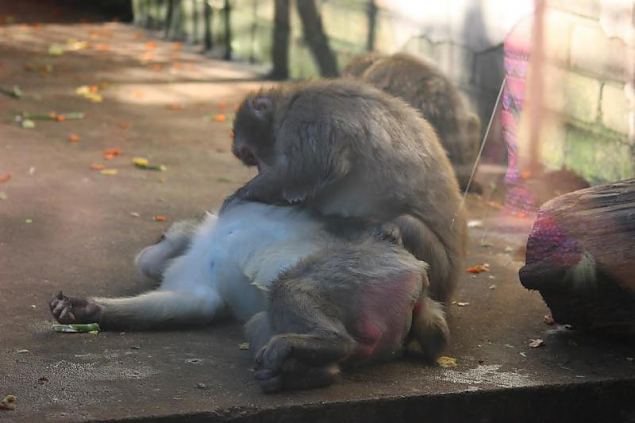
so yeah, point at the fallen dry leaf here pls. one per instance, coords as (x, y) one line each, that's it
(111, 153)
(446, 362)
(3, 196)
(243, 346)
(73, 138)
(109, 172)
(478, 268)
(175, 106)
(97, 166)
(143, 163)
(535, 343)
(219, 118)
(8, 403)
(462, 303)
(160, 218)
(4, 177)
(101, 47)
(150, 45)
(89, 92)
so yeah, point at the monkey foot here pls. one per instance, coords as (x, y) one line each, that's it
(69, 310)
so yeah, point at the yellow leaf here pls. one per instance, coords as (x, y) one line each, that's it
(446, 362)
(109, 172)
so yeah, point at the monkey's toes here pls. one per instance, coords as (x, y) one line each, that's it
(62, 309)
(67, 310)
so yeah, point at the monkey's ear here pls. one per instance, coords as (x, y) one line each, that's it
(261, 106)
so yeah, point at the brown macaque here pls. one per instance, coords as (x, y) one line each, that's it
(344, 148)
(422, 85)
(349, 304)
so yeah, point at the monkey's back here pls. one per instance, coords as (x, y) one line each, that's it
(422, 85)
(388, 157)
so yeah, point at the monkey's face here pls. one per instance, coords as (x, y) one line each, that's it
(253, 132)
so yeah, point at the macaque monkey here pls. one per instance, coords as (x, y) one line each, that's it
(346, 305)
(424, 87)
(225, 266)
(344, 148)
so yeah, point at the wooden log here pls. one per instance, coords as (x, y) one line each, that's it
(581, 258)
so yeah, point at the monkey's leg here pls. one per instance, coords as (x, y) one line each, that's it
(445, 265)
(155, 309)
(153, 259)
(429, 328)
(315, 349)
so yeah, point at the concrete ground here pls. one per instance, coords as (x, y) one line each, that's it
(66, 226)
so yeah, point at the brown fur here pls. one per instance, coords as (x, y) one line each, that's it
(422, 85)
(344, 148)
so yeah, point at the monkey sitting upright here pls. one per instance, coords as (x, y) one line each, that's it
(344, 148)
(423, 86)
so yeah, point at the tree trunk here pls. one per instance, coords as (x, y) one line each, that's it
(207, 25)
(280, 48)
(316, 38)
(228, 30)
(581, 257)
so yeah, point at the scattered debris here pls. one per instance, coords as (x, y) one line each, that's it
(478, 268)
(27, 124)
(193, 360)
(219, 118)
(58, 117)
(523, 354)
(22, 351)
(109, 172)
(462, 303)
(3, 195)
(74, 45)
(201, 386)
(42, 69)
(73, 138)
(111, 153)
(97, 166)
(160, 218)
(243, 346)
(135, 214)
(42, 380)
(90, 92)
(143, 163)
(32, 171)
(77, 328)
(491, 277)
(535, 343)
(5, 177)
(485, 243)
(14, 92)
(446, 362)
(28, 221)
(492, 287)
(176, 107)
(222, 179)
(135, 347)
(474, 223)
(508, 249)
(548, 319)
(124, 125)
(9, 402)
(56, 49)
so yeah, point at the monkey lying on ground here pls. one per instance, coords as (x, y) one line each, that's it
(423, 86)
(344, 148)
(339, 299)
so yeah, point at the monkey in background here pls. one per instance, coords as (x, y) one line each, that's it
(423, 86)
(345, 148)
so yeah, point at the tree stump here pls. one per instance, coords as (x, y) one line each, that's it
(581, 258)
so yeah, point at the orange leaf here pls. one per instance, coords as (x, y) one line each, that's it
(73, 138)
(219, 118)
(4, 177)
(124, 125)
(160, 218)
(97, 166)
(111, 153)
(58, 117)
(175, 106)
(478, 268)
(150, 45)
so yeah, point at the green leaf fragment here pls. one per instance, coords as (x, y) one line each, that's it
(77, 328)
